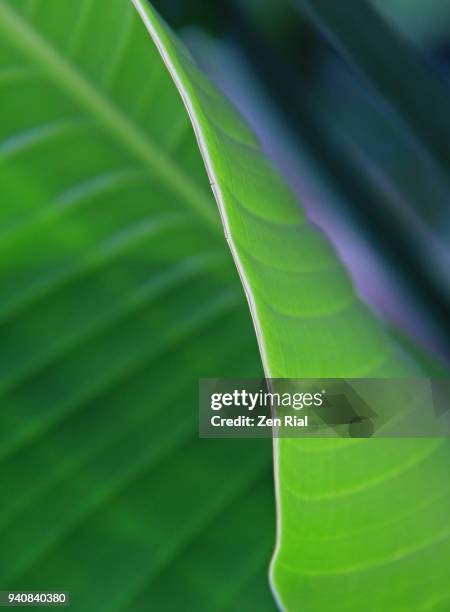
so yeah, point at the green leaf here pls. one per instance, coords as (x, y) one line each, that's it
(117, 295)
(358, 520)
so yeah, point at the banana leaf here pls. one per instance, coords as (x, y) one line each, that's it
(119, 293)
(357, 519)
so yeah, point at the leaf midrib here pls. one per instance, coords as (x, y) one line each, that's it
(67, 76)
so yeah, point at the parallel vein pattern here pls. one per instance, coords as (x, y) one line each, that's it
(356, 527)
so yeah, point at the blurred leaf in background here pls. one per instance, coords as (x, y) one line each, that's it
(118, 293)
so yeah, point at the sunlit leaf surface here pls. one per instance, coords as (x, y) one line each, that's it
(359, 520)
